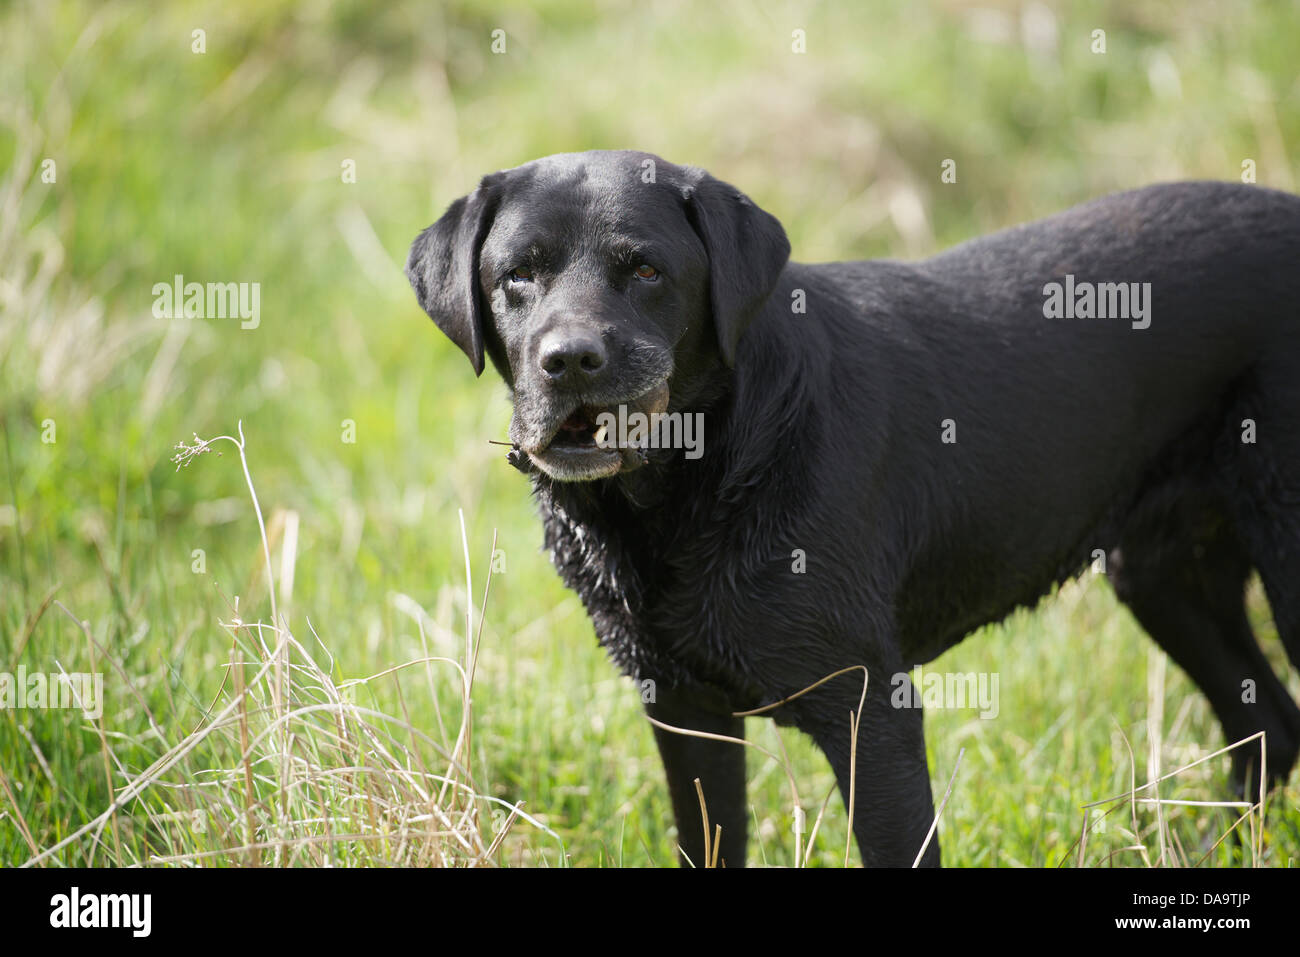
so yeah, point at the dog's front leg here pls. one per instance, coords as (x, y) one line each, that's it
(719, 765)
(892, 804)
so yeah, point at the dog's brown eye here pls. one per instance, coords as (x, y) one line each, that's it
(645, 271)
(521, 274)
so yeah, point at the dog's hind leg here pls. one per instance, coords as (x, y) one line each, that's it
(1260, 451)
(1182, 571)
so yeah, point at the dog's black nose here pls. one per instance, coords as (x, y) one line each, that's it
(572, 357)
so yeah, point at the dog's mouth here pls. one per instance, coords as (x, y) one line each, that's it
(581, 430)
(586, 445)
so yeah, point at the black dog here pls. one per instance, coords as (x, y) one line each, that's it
(893, 453)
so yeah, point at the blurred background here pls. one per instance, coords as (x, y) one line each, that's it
(301, 146)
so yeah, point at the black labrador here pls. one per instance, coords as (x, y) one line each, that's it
(757, 473)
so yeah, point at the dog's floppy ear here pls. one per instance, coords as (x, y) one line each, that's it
(747, 250)
(443, 268)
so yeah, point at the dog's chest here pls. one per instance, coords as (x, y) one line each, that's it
(655, 621)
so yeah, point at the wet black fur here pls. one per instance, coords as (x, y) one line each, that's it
(824, 435)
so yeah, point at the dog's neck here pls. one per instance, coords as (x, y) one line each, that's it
(626, 544)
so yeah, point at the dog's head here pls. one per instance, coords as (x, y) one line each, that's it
(593, 281)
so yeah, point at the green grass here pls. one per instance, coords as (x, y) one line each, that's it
(225, 166)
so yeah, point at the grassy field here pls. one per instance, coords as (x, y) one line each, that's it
(302, 150)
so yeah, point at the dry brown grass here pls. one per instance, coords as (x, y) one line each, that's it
(287, 767)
